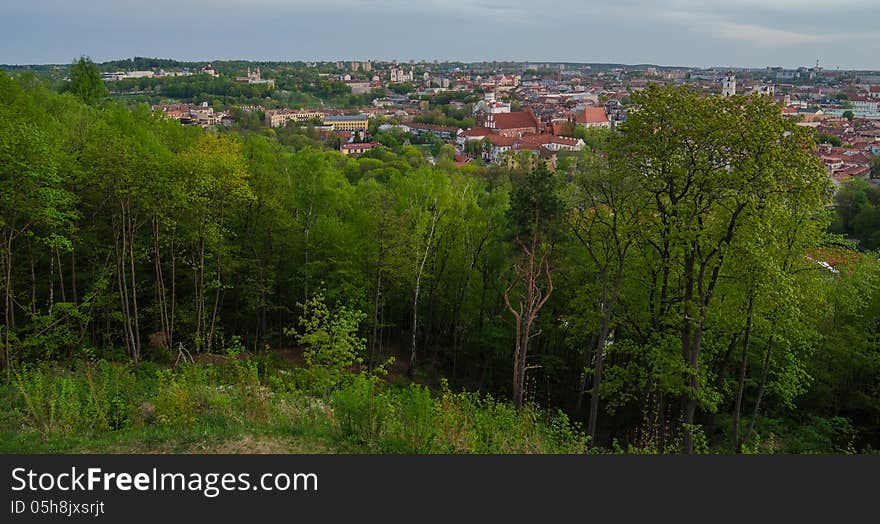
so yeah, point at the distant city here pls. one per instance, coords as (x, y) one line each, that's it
(486, 110)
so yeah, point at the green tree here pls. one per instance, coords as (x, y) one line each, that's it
(534, 215)
(607, 207)
(85, 81)
(708, 163)
(33, 200)
(331, 339)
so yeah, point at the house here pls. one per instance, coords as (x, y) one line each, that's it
(489, 105)
(359, 87)
(191, 114)
(562, 143)
(865, 104)
(498, 145)
(280, 117)
(593, 117)
(476, 133)
(513, 124)
(443, 132)
(347, 122)
(357, 149)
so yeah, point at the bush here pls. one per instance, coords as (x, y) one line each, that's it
(411, 427)
(360, 411)
(174, 403)
(332, 344)
(409, 420)
(98, 397)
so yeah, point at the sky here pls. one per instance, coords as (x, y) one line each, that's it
(699, 33)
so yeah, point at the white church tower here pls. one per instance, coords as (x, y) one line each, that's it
(728, 86)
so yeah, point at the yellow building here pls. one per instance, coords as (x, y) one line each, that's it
(348, 122)
(280, 117)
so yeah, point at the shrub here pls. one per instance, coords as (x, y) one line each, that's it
(360, 410)
(98, 397)
(174, 404)
(331, 340)
(411, 426)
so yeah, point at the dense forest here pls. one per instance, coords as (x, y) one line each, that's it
(674, 288)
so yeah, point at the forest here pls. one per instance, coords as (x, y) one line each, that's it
(684, 285)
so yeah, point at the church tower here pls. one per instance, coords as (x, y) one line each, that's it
(728, 86)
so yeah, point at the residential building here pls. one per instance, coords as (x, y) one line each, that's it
(513, 124)
(443, 132)
(347, 122)
(356, 148)
(359, 87)
(593, 117)
(280, 117)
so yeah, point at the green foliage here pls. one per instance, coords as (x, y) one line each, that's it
(331, 341)
(97, 397)
(365, 414)
(823, 138)
(128, 237)
(857, 213)
(85, 81)
(410, 420)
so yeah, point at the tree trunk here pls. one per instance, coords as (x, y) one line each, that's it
(136, 337)
(689, 399)
(764, 371)
(742, 376)
(530, 304)
(604, 331)
(7, 303)
(412, 357)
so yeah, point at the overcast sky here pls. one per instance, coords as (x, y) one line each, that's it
(756, 33)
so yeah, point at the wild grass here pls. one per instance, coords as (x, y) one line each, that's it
(112, 407)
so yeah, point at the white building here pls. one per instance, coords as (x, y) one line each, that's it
(399, 75)
(728, 85)
(490, 105)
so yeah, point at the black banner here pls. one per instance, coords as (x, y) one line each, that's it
(337, 488)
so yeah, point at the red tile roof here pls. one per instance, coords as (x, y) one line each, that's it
(535, 140)
(477, 132)
(593, 115)
(563, 140)
(515, 120)
(501, 140)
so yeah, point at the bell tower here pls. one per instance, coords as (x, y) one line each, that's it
(728, 86)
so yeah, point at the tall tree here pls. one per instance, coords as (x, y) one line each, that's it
(707, 163)
(534, 216)
(32, 195)
(607, 205)
(85, 81)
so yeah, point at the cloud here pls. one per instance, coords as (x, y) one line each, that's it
(683, 32)
(722, 26)
(761, 35)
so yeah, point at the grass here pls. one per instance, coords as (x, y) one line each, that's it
(255, 406)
